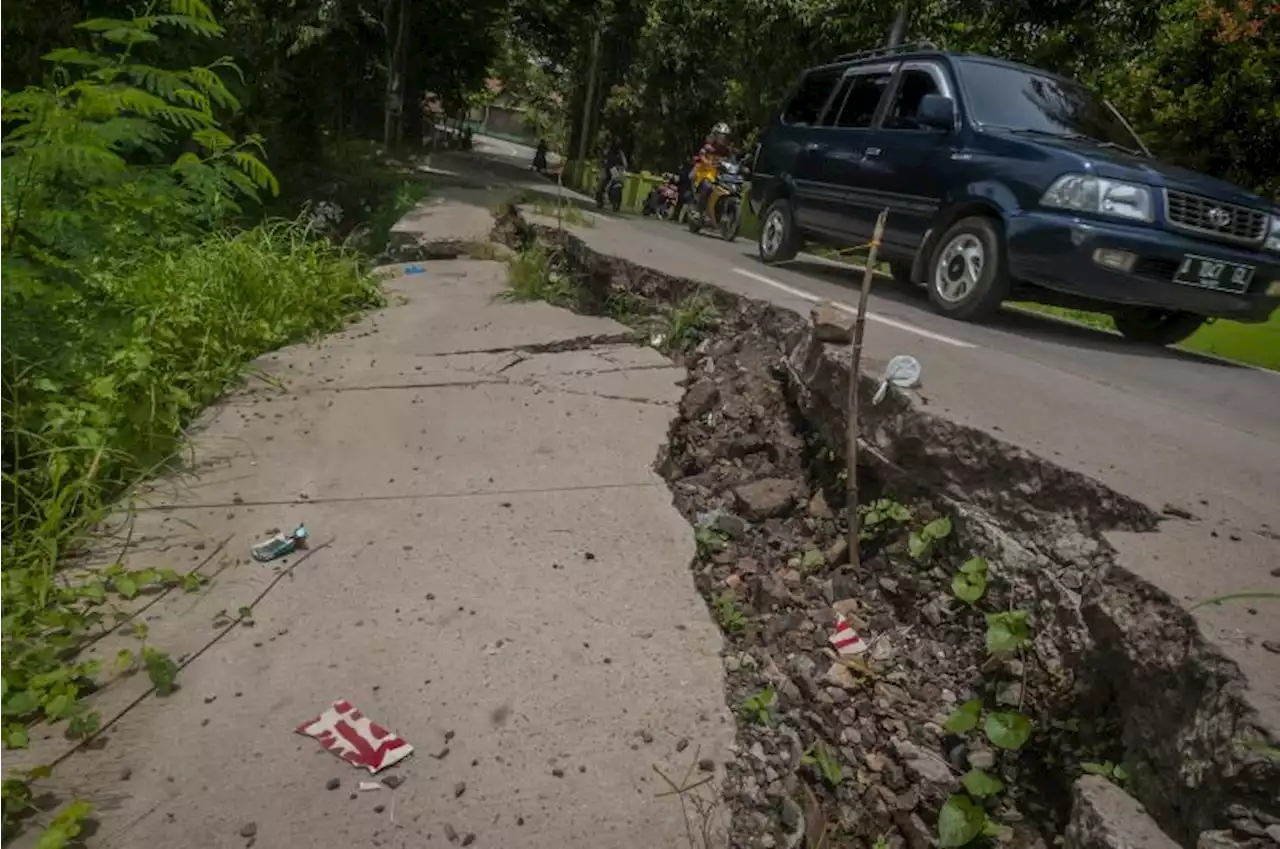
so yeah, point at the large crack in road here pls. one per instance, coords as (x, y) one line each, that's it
(1115, 672)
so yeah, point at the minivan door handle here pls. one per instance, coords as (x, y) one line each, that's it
(871, 153)
(811, 147)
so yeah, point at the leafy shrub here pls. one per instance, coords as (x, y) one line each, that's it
(128, 304)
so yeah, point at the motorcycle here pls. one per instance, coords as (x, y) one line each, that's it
(612, 189)
(724, 206)
(662, 199)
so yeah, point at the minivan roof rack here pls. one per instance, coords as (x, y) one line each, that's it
(886, 51)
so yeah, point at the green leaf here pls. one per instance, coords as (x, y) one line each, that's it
(917, 545)
(1120, 773)
(1007, 632)
(15, 737)
(965, 719)
(974, 566)
(1097, 768)
(981, 784)
(59, 706)
(1008, 730)
(125, 659)
(95, 592)
(161, 669)
(126, 586)
(939, 528)
(969, 588)
(959, 822)
(21, 703)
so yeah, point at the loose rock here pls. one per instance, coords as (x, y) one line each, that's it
(831, 324)
(765, 499)
(1103, 816)
(249, 829)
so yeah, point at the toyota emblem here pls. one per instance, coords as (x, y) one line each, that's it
(1219, 217)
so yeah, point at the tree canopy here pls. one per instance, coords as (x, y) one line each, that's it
(1198, 78)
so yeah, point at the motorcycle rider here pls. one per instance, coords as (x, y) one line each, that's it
(614, 158)
(714, 149)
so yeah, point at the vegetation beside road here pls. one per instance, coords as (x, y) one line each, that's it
(140, 277)
(1251, 344)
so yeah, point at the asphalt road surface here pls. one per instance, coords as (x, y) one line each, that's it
(1166, 427)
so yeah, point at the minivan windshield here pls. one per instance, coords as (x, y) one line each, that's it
(1023, 101)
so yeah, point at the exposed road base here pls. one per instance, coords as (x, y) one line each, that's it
(1117, 669)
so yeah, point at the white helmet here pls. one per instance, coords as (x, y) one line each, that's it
(721, 129)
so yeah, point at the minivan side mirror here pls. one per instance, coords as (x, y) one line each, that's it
(937, 112)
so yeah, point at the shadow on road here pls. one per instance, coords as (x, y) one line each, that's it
(1042, 328)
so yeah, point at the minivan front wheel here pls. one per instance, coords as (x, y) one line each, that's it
(779, 240)
(967, 275)
(1157, 327)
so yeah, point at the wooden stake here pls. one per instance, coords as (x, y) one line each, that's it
(855, 364)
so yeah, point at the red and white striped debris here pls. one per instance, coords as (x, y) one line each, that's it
(358, 740)
(846, 641)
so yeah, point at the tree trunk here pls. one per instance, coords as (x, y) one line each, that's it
(396, 24)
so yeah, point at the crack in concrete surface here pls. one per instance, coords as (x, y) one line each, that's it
(543, 530)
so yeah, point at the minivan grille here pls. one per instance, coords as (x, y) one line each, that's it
(1214, 218)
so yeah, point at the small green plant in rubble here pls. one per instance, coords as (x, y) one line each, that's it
(727, 613)
(709, 541)
(879, 516)
(970, 582)
(760, 707)
(530, 277)
(688, 323)
(920, 544)
(963, 817)
(823, 757)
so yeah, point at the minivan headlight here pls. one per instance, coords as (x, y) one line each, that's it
(1273, 235)
(1101, 195)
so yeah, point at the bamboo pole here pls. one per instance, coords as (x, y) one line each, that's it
(855, 365)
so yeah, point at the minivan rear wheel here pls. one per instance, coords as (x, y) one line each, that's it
(778, 240)
(967, 275)
(1157, 327)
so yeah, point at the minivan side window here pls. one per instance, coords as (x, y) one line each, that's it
(861, 99)
(915, 85)
(805, 107)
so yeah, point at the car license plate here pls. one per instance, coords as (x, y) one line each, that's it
(1213, 273)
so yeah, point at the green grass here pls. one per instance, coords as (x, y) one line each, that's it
(1252, 344)
(530, 277)
(100, 381)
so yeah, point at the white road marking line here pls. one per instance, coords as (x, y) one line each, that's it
(889, 322)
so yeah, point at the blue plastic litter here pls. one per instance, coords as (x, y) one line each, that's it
(414, 269)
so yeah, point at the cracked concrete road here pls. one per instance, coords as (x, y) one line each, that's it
(497, 574)
(1164, 427)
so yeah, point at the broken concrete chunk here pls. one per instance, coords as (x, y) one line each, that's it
(831, 324)
(1103, 816)
(818, 507)
(767, 498)
(699, 399)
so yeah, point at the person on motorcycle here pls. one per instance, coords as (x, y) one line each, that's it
(714, 149)
(614, 158)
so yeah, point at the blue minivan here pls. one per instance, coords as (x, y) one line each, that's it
(1006, 182)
